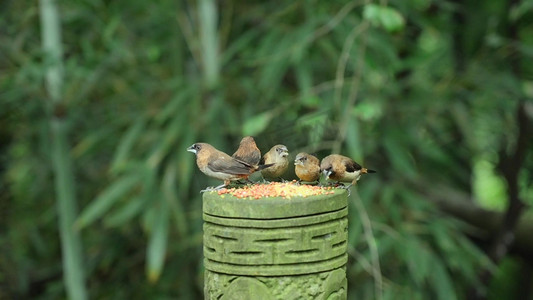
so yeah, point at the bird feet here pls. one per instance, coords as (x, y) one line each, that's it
(244, 181)
(213, 189)
(347, 187)
(337, 184)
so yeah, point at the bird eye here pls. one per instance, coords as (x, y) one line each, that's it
(196, 146)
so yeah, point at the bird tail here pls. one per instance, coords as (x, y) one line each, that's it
(261, 167)
(365, 170)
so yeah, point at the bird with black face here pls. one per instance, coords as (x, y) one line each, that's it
(340, 168)
(278, 157)
(307, 167)
(217, 164)
(248, 151)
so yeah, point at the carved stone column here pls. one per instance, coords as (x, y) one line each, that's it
(275, 248)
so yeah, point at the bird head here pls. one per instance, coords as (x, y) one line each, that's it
(195, 148)
(282, 151)
(247, 139)
(300, 159)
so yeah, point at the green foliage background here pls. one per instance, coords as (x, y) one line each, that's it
(423, 91)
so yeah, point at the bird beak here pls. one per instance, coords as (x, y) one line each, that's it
(298, 162)
(326, 174)
(285, 153)
(191, 149)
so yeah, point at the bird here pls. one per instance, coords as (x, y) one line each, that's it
(217, 164)
(248, 151)
(307, 167)
(277, 156)
(342, 169)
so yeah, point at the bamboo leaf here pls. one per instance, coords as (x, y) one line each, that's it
(371, 12)
(185, 162)
(126, 144)
(175, 105)
(238, 45)
(126, 213)
(97, 208)
(385, 16)
(169, 192)
(391, 19)
(169, 137)
(353, 139)
(399, 157)
(157, 244)
(441, 281)
(418, 259)
(257, 123)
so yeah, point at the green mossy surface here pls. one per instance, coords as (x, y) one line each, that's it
(317, 286)
(272, 207)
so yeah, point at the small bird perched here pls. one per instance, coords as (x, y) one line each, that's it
(277, 156)
(219, 165)
(307, 167)
(342, 169)
(248, 151)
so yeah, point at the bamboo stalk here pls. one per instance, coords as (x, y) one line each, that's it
(209, 40)
(73, 269)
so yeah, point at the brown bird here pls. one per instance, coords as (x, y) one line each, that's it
(307, 167)
(342, 169)
(248, 151)
(219, 165)
(277, 156)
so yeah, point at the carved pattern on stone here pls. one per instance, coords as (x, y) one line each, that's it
(287, 250)
(329, 285)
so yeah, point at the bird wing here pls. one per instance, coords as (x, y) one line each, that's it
(229, 166)
(252, 158)
(255, 158)
(352, 166)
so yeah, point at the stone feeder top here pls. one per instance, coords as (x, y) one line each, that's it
(273, 201)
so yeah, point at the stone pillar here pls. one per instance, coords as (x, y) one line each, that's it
(275, 248)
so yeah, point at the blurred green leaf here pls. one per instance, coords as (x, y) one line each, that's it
(185, 162)
(256, 124)
(368, 109)
(519, 9)
(489, 188)
(157, 245)
(399, 157)
(353, 140)
(174, 107)
(168, 139)
(441, 281)
(99, 206)
(418, 259)
(171, 197)
(132, 208)
(384, 16)
(372, 12)
(126, 144)
(239, 45)
(391, 19)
